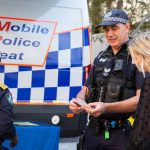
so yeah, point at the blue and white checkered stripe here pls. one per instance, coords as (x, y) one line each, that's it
(115, 19)
(60, 78)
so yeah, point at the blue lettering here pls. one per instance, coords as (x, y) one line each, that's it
(20, 56)
(3, 55)
(7, 41)
(26, 43)
(36, 43)
(15, 28)
(44, 30)
(25, 28)
(11, 56)
(33, 29)
(20, 42)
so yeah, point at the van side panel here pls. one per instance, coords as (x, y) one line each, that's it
(57, 73)
(60, 78)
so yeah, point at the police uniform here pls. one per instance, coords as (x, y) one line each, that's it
(112, 78)
(7, 128)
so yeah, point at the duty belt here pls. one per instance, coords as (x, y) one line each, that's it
(109, 125)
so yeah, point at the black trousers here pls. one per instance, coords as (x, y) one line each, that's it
(131, 146)
(118, 140)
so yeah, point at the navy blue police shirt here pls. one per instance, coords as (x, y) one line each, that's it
(7, 128)
(138, 77)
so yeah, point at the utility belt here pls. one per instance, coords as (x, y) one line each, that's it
(110, 125)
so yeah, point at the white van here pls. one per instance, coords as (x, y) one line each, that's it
(45, 56)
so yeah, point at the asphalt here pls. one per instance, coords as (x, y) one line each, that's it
(68, 143)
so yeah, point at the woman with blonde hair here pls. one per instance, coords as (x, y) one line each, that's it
(140, 51)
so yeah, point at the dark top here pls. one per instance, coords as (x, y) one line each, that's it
(7, 129)
(91, 78)
(140, 136)
(113, 78)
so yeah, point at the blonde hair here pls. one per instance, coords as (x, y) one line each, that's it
(140, 49)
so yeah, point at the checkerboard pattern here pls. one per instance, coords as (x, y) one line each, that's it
(60, 78)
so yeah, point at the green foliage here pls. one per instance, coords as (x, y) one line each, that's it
(136, 9)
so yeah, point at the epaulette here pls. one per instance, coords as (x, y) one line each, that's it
(3, 86)
(100, 54)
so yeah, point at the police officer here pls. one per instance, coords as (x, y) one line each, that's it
(7, 128)
(113, 80)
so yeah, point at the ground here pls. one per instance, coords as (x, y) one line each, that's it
(68, 143)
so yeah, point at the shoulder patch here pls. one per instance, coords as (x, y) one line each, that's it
(9, 98)
(3, 86)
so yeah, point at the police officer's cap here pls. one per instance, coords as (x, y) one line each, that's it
(113, 17)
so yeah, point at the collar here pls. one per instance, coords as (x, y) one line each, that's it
(123, 50)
